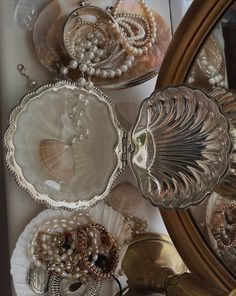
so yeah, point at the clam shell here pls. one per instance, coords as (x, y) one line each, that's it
(126, 199)
(182, 147)
(58, 158)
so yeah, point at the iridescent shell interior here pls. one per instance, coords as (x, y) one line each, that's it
(182, 145)
(63, 145)
(47, 40)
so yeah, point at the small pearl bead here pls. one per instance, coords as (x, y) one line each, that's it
(104, 74)
(139, 52)
(89, 55)
(95, 41)
(88, 44)
(118, 72)
(211, 80)
(111, 74)
(129, 64)
(89, 85)
(80, 56)
(204, 62)
(97, 72)
(83, 67)
(38, 263)
(73, 64)
(82, 82)
(90, 35)
(99, 52)
(124, 68)
(211, 69)
(63, 70)
(91, 71)
(93, 48)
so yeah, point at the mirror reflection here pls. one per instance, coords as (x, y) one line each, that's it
(214, 71)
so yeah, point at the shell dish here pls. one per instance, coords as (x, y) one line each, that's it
(49, 49)
(54, 145)
(182, 146)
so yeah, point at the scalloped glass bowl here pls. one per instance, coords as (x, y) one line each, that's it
(182, 147)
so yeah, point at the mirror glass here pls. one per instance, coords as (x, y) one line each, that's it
(214, 71)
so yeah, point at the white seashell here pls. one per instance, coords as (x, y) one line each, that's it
(20, 262)
(126, 199)
(102, 214)
(58, 158)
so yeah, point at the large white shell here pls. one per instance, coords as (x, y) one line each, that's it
(20, 261)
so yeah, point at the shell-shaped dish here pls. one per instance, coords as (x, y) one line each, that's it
(182, 146)
(47, 41)
(20, 261)
(54, 145)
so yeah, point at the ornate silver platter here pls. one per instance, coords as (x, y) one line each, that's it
(66, 146)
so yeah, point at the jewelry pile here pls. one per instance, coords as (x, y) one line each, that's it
(107, 47)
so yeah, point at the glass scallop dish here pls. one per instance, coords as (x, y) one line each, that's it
(181, 147)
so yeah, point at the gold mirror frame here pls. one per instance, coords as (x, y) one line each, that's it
(189, 38)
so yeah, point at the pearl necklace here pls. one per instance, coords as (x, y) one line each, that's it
(107, 48)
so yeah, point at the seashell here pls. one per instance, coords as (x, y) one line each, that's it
(20, 260)
(38, 280)
(58, 158)
(126, 199)
(182, 147)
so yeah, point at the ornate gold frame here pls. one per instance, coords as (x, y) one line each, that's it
(188, 39)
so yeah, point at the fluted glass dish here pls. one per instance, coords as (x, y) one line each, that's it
(182, 145)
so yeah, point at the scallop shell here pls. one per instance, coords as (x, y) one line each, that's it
(182, 147)
(20, 261)
(58, 158)
(126, 199)
(89, 166)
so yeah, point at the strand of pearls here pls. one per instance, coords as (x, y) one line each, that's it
(107, 49)
(150, 30)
